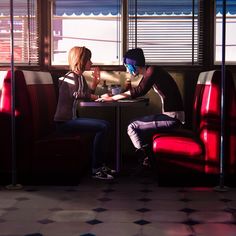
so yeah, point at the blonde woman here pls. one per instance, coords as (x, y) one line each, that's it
(73, 88)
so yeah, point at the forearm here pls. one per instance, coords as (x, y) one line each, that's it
(121, 96)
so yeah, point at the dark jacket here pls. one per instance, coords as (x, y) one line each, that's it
(72, 88)
(163, 84)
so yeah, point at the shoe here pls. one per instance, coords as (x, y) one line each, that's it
(100, 174)
(146, 162)
(108, 170)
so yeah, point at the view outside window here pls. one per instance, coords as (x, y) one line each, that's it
(230, 36)
(94, 24)
(168, 31)
(25, 30)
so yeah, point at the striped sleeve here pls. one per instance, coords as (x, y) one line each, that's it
(82, 90)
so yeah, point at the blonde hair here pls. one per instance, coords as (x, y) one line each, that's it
(78, 57)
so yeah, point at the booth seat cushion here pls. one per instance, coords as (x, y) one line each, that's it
(202, 144)
(183, 145)
(179, 152)
(58, 146)
(60, 159)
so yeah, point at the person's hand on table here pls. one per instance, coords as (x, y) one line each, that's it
(108, 98)
(105, 98)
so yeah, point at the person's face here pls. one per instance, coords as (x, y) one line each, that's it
(88, 65)
(131, 69)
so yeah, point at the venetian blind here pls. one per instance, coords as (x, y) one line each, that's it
(169, 32)
(26, 33)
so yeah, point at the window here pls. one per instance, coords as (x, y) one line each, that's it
(230, 34)
(167, 30)
(94, 24)
(25, 28)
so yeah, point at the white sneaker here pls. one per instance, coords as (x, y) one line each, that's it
(100, 174)
(108, 170)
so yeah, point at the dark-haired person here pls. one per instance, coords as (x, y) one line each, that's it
(73, 88)
(140, 130)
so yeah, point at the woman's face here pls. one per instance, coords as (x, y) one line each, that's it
(88, 65)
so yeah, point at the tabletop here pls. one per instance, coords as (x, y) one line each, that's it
(118, 103)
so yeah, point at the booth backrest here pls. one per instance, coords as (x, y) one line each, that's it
(35, 101)
(42, 155)
(207, 116)
(2, 76)
(207, 98)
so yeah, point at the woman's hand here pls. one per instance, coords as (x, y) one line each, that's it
(108, 98)
(104, 99)
(96, 78)
(106, 95)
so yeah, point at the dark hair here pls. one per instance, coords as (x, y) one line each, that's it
(134, 57)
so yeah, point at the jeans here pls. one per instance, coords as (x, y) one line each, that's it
(142, 129)
(89, 125)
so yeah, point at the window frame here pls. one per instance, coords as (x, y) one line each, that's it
(218, 62)
(44, 21)
(125, 31)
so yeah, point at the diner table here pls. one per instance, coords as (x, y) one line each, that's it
(142, 101)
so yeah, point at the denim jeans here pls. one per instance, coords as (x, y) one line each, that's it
(142, 129)
(89, 125)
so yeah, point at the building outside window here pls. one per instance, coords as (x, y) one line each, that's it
(230, 36)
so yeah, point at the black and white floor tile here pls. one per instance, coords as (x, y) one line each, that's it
(127, 206)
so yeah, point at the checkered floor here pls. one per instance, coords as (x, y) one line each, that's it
(128, 205)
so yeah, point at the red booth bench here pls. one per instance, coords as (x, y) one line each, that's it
(198, 150)
(42, 155)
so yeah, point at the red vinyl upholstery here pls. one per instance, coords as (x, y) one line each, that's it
(40, 151)
(199, 149)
